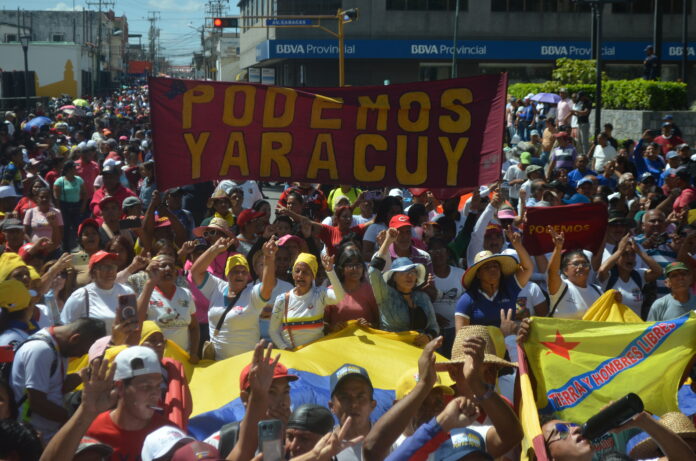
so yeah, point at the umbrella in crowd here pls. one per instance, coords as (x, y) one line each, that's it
(37, 122)
(81, 102)
(550, 98)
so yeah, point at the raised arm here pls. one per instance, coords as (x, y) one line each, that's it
(200, 267)
(268, 278)
(654, 271)
(605, 268)
(526, 267)
(336, 293)
(553, 273)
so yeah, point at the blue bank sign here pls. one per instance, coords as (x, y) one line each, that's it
(466, 49)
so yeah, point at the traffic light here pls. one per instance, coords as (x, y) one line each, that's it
(220, 23)
(350, 15)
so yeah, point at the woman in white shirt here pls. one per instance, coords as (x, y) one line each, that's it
(298, 315)
(98, 299)
(170, 306)
(572, 295)
(235, 303)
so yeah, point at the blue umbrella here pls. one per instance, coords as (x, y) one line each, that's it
(37, 122)
(550, 98)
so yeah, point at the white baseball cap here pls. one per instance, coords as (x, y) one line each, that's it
(162, 441)
(136, 361)
(396, 193)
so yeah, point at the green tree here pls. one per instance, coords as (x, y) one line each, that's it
(575, 71)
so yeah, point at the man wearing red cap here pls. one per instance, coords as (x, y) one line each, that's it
(112, 187)
(403, 245)
(250, 226)
(265, 393)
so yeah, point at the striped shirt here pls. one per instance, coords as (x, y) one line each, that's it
(663, 255)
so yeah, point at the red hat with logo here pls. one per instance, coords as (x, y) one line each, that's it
(399, 221)
(87, 223)
(247, 215)
(280, 372)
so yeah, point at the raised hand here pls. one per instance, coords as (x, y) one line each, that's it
(625, 242)
(334, 442)
(98, 394)
(507, 325)
(187, 248)
(262, 368)
(460, 412)
(222, 244)
(426, 363)
(523, 330)
(557, 239)
(270, 248)
(473, 367)
(513, 237)
(328, 262)
(391, 235)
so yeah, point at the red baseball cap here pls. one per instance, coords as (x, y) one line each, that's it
(247, 215)
(280, 372)
(107, 199)
(196, 451)
(86, 223)
(399, 221)
(100, 256)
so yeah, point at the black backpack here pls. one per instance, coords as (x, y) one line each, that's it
(614, 277)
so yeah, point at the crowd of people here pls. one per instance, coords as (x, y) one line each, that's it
(97, 261)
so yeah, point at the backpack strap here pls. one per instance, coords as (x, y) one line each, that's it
(555, 305)
(229, 307)
(635, 276)
(613, 278)
(86, 302)
(53, 369)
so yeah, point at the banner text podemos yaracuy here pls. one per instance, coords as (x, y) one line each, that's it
(429, 134)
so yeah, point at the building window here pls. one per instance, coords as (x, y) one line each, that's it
(58, 37)
(308, 7)
(9, 38)
(429, 5)
(648, 7)
(565, 6)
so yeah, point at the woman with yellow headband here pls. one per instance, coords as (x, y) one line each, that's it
(298, 315)
(235, 303)
(170, 306)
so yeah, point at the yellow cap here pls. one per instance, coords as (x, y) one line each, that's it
(310, 260)
(236, 260)
(409, 380)
(14, 296)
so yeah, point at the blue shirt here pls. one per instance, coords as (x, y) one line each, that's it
(609, 182)
(576, 175)
(483, 311)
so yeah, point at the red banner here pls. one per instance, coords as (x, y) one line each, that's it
(583, 224)
(444, 133)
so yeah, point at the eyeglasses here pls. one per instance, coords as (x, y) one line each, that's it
(210, 233)
(580, 264)
(563, 431)
(353, 266)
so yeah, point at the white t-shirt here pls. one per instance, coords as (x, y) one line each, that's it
(512, 173)
(102, 304)
(449, 290)
(12, 337)
(304, 320)
(32, 369)
(252, 193)
(240, 331)
(281, 287)
(575, 301)
(355, 221)
(632, 293)
(529, 297)
(353, 453)
(372, 231)
(603, 155)
(173, 315)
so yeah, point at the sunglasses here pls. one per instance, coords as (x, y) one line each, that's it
(563, 431)
(210, 233)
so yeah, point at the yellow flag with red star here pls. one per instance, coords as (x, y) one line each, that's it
(581, 366)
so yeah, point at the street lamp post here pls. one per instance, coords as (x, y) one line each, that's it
(24, 40)
(454, 40)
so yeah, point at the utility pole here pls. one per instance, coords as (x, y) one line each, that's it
(657, 36)
(685, 42)
(153, 37)
(213, 9)
(97, 68)
(454, 40)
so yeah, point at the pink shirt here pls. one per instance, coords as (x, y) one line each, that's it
(88, 172)
(40, 226)
(360, 303)
(563, 110)
(687, 196)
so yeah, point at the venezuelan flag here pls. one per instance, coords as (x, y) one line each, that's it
(385, 356)
(580, 366)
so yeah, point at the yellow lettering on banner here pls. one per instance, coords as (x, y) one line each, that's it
(360, 171)
(324, 142)
(423, 120)
(454, 100)
(235, 143)
(287, 115)
(199, 94)
(404, 176)
(274, 148)
(380, 104)
(196, 148)
(565, 228)
(453, 156)
(319, 104)
(248, 92)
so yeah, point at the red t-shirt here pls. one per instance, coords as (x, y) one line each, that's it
(127, 445)
(121, 194)
(360, 303)
(332, 236)
(88, 172)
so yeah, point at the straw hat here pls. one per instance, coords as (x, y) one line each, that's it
(472, 331)
(216, 223)
(675, 421)
(508, 265)
(217, 194)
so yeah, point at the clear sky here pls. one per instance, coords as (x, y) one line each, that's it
(176, 37)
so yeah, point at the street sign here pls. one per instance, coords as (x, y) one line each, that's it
(288, 22)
